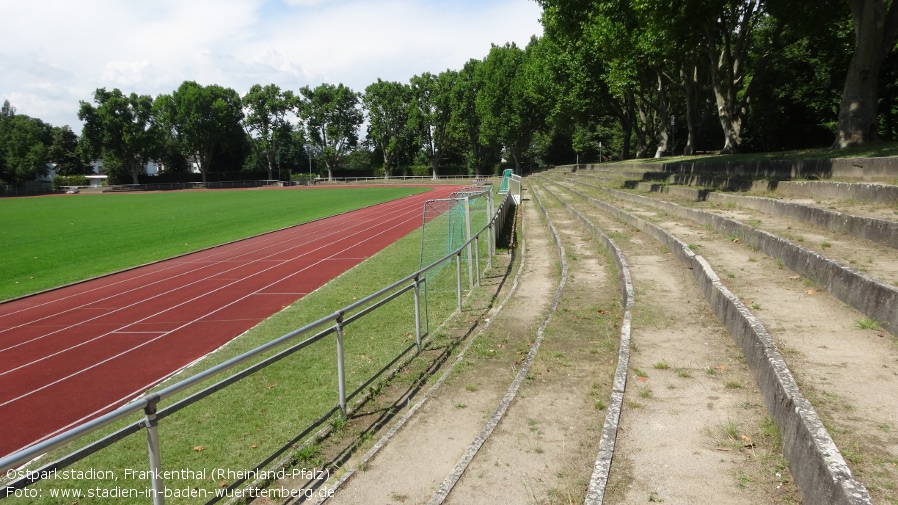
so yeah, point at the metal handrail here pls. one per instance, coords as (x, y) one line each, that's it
(148, 403)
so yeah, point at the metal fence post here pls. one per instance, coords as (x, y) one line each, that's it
(418, 312)
(491, 245)
(341, 372)
(491, 241)
(155, 456)
(477, 256)
(458, 276)
(468, 239)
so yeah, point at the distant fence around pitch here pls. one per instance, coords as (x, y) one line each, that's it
(393, 179)
(166, 186)
(151, 405)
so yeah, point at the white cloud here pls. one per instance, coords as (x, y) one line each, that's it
(308, 3)
(54, 53)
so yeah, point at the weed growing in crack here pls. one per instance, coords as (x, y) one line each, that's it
(865, 323)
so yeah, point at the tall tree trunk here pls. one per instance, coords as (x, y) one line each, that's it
(733, 73)
(875, 28)
(135, 172)
(639, 117)
(722, 82)
(388, 162)
(268, 160)
(691, 86)
(663, 118)
(627, 128)
(729, 122)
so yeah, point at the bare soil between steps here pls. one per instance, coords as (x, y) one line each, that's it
(693, 429)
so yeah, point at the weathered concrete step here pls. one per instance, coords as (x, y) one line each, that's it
(862, 192)
(883, 169)
(816, 464)
(881, 231)
(872, 297)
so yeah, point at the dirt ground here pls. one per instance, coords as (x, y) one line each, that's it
(693, 423)
(847, 368)
(693, 427)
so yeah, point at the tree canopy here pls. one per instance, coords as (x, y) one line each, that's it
(24, 146)
(431, 115)
(389, 107)
(609, 77)
(121, 130)
(726, 49)
(206, 120)
(332, 117)
(266, 116)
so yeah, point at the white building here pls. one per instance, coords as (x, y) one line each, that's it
(152, 168)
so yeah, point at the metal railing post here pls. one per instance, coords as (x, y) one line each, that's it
(418, 313)
(491, 245)
(155, 456)
(477, 256)
(341, 372)
(468, 240)
(491, 240)
(458, 277)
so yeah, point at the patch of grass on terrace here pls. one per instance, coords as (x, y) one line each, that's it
(51, 241)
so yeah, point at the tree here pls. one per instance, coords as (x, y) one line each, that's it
(65, 152)
(121, 130)
(205, 120)
(7, 110)
(266, 111)
(876, 28)
(508, 116)
(674, 42)
(466, 123)
(331, 116)
(734, 69)
(645, 47)
(389, 111)
(549, 85)
(597, 87)
(24, 143)
(431, 114)
(797, 105)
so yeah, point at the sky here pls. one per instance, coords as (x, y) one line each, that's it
(55, 53)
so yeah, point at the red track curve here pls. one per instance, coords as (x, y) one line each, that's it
(74, 353)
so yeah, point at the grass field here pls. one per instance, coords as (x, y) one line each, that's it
(50, 241)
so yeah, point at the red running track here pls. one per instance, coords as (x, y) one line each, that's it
(74, 353)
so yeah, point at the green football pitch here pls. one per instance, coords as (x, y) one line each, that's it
(51, 241)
